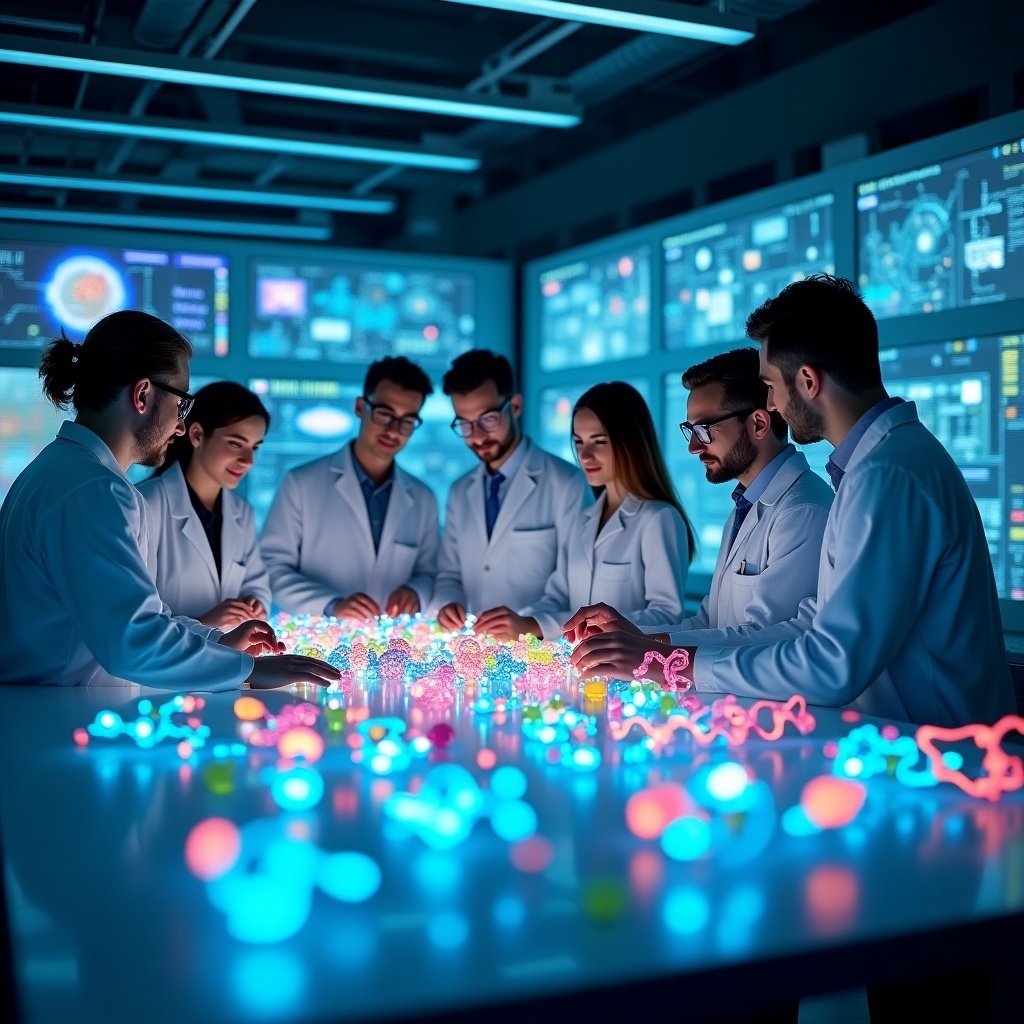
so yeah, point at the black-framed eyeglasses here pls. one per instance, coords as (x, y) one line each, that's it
(384, 417)
(490, 421)
(185, 400)
(701, 431)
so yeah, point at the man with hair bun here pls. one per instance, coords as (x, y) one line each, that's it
(78, 604)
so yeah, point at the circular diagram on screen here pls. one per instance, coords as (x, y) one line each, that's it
(83, 289)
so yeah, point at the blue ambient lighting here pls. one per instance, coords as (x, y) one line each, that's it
(686, 910)
(204, 193)
(645, 16)
(350, 877)
(365, 95)
(238, 140)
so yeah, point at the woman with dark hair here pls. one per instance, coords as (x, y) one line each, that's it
(202, 535)
(634, 543)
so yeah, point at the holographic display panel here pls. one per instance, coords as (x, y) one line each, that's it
(312, 418)
(596, 309)
(715, 276)
(356, 313)
(45, 287)
(943, 236)
(556, 405)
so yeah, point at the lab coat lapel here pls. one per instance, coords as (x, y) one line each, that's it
(232, 546)
(400, 508)
(588, 533)
(346, 483)
(186, 519)
(617, 522)
(523, 485)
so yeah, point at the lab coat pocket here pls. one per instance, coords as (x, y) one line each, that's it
(404, 556)
(613, 570)
(531, 557)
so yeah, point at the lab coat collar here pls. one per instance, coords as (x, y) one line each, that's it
(348, 486)
(900, 415)
(523, 484)
(616, 523)
(180, 506)
(789, 472)
(76, 433)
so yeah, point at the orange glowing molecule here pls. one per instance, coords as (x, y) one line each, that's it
(832, 802)
(301, 741)
(212, 848)
(249, 709)
(649, 812)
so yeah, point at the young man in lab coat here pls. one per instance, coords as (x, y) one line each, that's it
(768, 560)
(506, 519)
(78, 604)
(906, 622)
(353, 535)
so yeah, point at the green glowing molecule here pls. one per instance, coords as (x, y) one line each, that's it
(604, 900)
(335, 718)
(219, 777)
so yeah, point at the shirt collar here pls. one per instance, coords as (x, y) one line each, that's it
(844, 452)
(206, 517)
(760, 483)
(364, 478)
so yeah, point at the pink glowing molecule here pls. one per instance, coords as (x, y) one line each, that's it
(673, 667)
(441, 735)
(486, 759)
(81, 737)
(832, 802)
(212, 848)
(1004, 772)
(650, 811)
(301, 741)
(469, 660)
(532, 855)
(359, 657)
(391, 665)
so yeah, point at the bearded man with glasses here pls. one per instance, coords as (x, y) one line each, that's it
(353, 535)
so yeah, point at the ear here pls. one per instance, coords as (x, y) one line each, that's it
(516, 405)
(141, 394)
(195, 434)
(762, 423)
(809, 381)
(360, 406)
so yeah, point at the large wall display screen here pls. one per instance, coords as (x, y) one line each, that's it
(349, 312)
(595, 309)
(28, 422)
(46, 287)
(945, 235)
(716, 275)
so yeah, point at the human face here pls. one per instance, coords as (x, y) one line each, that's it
(386, 442)
(226, 454)
(806, 424)
(593, 448)
(731, 450)
(490, 446)
(163, 422)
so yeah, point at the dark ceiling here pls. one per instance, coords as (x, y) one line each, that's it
(623, 81)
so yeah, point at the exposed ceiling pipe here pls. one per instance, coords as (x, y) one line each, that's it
(162, 24)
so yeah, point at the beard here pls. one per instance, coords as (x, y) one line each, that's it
(806, 425)
(504, 446)
(151, 442)
(735, 461)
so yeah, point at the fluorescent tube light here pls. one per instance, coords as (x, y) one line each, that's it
(307, 85)
(682, 20)
(269, 142)
(155, 222)
(202, 193)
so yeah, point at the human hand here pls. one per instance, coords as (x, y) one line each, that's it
(253, 637)
(404, 601)
(230, 613)
(504, 624)
(618, 655)
(452, 616)
(357, 607)
(259, 609)
(291, 668)
(597, 618)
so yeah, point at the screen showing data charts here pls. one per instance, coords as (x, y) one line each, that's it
(716, 275)
(45, 288)
(356, 313)
(28, 422)
(595, 310)
(945, 235)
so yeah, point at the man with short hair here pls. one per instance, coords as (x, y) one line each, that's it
(353, 535)
(506, 519)
(906, 623)
(78, 603)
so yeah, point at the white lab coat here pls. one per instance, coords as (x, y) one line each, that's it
(186, 574)
(773, 565)
(636, 562)
(78, 604)
(906, 623)
(318, 546)
(542, 508)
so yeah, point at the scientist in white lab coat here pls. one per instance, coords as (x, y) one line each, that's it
(633, 546)
(78, 604)
(207, 558)
(506, 519)
(353, 535)
(768, 560)
(906, 622)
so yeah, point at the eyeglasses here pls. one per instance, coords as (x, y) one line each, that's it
(383, 417)
(701, 431)
(485, 424)
(185, 400)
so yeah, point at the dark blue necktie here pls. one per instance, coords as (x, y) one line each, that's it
(835, 474)
(742, 508)
(492, 504)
